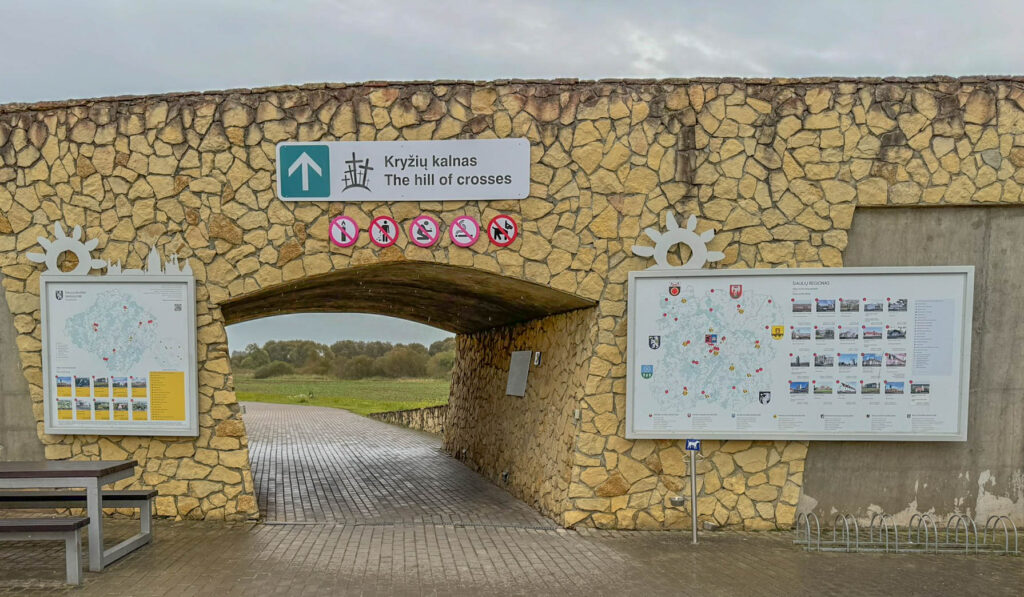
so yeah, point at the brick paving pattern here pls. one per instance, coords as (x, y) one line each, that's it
(315, 464)
(389, 514)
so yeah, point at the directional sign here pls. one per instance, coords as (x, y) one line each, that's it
(383, 231)
(305, 171)
(448, 170)
(464, 231)
(502, 230)
(424, 231)
(344, 231)
(693, 445)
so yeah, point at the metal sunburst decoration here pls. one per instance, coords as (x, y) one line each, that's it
(62, 243)
(663, 242)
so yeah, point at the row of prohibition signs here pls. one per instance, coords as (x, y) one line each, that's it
(425, 231)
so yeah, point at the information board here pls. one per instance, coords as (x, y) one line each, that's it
(119, 354)
(822, 354)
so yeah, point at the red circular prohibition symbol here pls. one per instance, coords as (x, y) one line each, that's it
(424, 231)
(344, 231)
(465, 231)
(502, 230)
(384, 231)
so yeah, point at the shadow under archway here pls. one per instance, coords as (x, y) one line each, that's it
(457, 299)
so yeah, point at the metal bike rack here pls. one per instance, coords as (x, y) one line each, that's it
(922, 536)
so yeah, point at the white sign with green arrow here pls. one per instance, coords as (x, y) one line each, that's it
(457, 170)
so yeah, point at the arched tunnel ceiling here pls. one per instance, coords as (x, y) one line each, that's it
(456, 299)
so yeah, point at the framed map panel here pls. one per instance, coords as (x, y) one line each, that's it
(119, 354)
(812, 354)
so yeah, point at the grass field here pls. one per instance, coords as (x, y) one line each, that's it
(361, 396)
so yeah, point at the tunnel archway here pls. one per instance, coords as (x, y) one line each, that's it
(457, 299)
(522, 444)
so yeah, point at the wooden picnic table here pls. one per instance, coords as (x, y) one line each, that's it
(90, 474)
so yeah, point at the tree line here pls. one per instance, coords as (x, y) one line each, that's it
(347, 359)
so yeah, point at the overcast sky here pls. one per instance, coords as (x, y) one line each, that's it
(51, 50)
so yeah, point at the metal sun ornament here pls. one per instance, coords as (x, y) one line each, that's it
(72, 244)
(663, 242)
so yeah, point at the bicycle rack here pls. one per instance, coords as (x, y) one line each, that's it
(922, 535)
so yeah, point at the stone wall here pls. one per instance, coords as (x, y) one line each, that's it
(523, 444)
(778, 167)
(430, 419)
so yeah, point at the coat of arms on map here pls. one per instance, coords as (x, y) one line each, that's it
(646, 371)
(673, 289)
(654, 342)
(735, 290)
(778, 332)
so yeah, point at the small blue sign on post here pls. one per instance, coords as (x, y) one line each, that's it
(693, 444)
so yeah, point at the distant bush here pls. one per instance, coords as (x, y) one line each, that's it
(273, 369)
(440, 365)
(403, 361)
(358, 367)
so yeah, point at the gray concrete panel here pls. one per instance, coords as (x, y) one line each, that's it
(984, 475)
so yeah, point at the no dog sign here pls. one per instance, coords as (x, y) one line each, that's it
(502, 230)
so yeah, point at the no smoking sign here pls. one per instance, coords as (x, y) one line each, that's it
(383, 231)
(464, 231)
(344, 231)
(502, 230)
(424, 231)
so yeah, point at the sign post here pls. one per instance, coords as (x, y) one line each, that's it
(693, 446)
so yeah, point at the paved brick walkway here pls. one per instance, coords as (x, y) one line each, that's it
(313, 464)
(428, 526)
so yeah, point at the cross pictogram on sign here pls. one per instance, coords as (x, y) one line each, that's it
(383, 231)
(344, 231)
(502, 230)
(464, 231)
(424, 231)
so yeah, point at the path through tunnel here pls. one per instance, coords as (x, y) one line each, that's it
(317, 464)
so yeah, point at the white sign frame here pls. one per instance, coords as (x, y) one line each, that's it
(675, 275)
(437, 170)
(187, 428)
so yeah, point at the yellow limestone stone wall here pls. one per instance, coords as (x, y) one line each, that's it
(778, 167)
(524, 444)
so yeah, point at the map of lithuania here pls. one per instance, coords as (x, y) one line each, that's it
(115, 329)
(715, 348)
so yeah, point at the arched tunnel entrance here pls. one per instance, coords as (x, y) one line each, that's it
(313, 463)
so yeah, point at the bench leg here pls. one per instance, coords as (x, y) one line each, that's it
(73, 557)
(94, 507)
(146, 517)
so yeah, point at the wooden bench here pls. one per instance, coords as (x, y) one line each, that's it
(140, 499)
(68, 530)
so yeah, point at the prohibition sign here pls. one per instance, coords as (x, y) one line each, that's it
(424, 231)
(383, 231)
(464, 231)
(502, 230)
(344, 231)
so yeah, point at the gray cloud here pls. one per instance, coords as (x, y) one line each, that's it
(55, 50)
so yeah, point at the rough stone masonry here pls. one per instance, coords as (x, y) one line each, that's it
(777, 167)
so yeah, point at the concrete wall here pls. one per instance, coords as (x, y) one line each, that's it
(984, 475)
(524, 444)
(18, 439)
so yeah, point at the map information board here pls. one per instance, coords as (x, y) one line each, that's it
(823, 354)
(119, 354)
